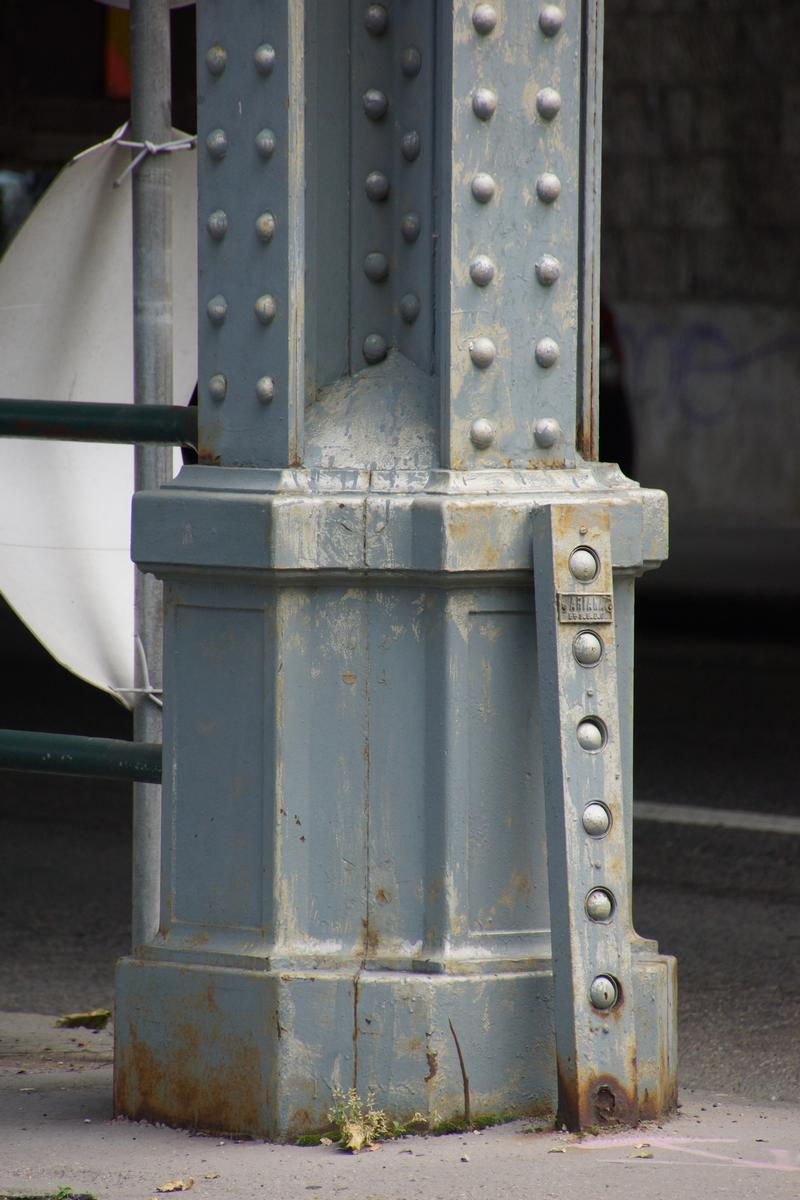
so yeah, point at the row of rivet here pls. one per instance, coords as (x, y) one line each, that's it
(217, 224)
(592, 736)
(482, 350)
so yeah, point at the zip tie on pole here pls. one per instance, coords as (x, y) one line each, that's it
(152, 693)
(188, 142)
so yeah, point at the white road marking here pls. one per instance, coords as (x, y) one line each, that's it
(720, 818)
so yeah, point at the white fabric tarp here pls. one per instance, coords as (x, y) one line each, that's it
(66, 333)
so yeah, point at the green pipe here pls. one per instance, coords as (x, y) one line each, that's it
(65, 754)
(74, 421)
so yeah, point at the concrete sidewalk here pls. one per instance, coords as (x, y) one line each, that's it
(56, 1130)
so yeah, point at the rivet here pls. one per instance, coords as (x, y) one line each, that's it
(481, 433)
(599, 905)
(548, 103)
(264, 59)
(265, 143)
(410, 145)
(216, 59)
(265, 389)
(482, 351)
(411, 62)
(584, 564)
(484, 103)
(548, 187)
(217, 309)
(375, 348)
(481, 270)
(376, 267)
(217, 143)
(587, 648)
(410, 225)
(483, 187)
(547, 352)
(591, 734)
(265, 309)
(217, 224)
(265, 227)
(484, 18)
(377, 186)
(596, 819)
(376, 19)
(548, 269)
(547, 432)
(217, 387)
(603, 992)
(376, 103)
(409, 308)
(551, 18)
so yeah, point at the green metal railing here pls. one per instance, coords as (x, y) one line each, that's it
(65, 420)
(65, 754)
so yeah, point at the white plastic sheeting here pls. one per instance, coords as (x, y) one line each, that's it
(66, 333)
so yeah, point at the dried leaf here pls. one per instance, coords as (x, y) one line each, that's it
(641, 1154)
(96, 1018)
(323, 1141)
(557, 1150)
(642, 1146)
(176, 1185)
(212, 1175)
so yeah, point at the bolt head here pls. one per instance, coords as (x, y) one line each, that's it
(376, 19)
(591, 735)
(548, 187)
(217, 143)
(264, 59)
(483, 187)
(217, 224)
(596, 819)
(551, 18)
(484, 18)
(217, 309)
(599, 905)
(265, 309)
(265, 227)
(376, 104)
(484, 103)
(604, 992)
(482, 351)
(410, 145)
(481, 433)
(411, 62)
(216, 59)
(375, 348)
(547, 352)
(481, 270)
(376, 267)
(377, 186)
(217, 387)
(410, 308)
(265, 143)
(410, 226)
(548, 103)
(547, 432)
(548, 270)
(587, 648)
(265, 389)
(583, 564)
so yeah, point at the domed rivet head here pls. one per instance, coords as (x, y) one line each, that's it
(217, 309)
(583, 564)
(376, 19)
(377, 186)
(481, 270)
(410, 225)
(217, 224)
(591, 734)
(484, 103)
(217, 143)
(603, 992)
(217, 387)
(548, 187)
(484, 18)
(547, 352)
(216, 59)
(265, 389)
(596, 819)
(483, 188)
(376, 267)
(375, 348)
(265, 309)
(376, 104)
(599, 905)
(265, 143)
(547, 432)
(409, 308)
(548, 269)
(264, 58)
(410, 145)
(551, 18)
(587, 648)
(265, 227)
(481, 433)
(482, 351)
(411, 62)
(548, 103)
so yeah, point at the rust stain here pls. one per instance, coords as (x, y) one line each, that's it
(349, 677)
(382, 896)
(602, 1101)
(433, 1065)
(208, 457)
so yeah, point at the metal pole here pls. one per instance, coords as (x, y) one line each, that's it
(152, 358)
